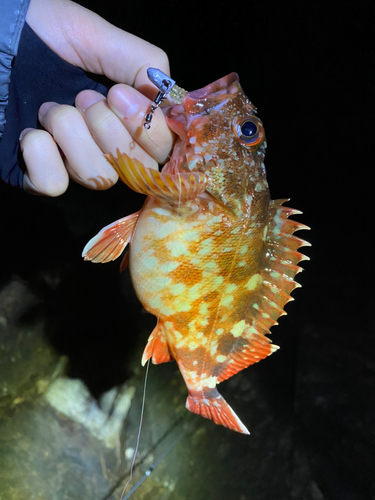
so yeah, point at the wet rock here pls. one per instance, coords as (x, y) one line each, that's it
(56, 440)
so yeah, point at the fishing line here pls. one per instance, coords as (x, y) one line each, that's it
(165, 86)
(154, 465)
(157, 145)
(139, 431)
(143, 403)
(148, 472)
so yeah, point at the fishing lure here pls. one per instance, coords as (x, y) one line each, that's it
(166, 85)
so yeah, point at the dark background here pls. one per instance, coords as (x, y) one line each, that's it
(308, 67)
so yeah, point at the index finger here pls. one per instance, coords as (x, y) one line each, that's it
(125, 58)
(86, 40)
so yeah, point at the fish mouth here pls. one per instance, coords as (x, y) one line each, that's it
(197, 102)
(177, 120)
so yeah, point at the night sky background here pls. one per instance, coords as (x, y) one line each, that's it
(308, 67)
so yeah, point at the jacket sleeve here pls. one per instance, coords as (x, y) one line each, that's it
(12, 19)
(38, 75)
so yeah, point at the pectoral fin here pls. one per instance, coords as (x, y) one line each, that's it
(111, 241)
(173, 188)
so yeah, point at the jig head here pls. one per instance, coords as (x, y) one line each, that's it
(166, 86)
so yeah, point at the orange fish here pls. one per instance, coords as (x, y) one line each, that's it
(211, 255)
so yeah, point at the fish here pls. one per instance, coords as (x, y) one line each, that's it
(210, 254)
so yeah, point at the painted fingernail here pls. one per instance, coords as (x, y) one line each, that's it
(87, 98)
(125, 102)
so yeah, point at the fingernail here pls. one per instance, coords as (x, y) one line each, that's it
(44, 108)
(125, 102)
(87, 98)
(24, 132)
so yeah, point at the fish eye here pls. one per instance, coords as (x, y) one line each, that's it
(248, 129)
(249, 132)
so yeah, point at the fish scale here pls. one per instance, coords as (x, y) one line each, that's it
(210, 254)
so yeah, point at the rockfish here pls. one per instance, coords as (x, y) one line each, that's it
(211, 255)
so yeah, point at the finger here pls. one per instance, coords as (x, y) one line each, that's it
(84, 39)
(131, 107)
(85, 161)
(46, 173)
(108, 130)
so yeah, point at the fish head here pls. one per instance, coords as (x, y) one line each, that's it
(220, 135)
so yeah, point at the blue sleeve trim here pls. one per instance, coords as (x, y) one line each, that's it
(12, 19)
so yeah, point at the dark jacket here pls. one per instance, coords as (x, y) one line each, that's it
(30, 74)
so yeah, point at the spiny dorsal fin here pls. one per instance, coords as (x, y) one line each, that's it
(280, 266)
(274, 284)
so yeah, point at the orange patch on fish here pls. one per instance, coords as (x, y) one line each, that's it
(211, 255)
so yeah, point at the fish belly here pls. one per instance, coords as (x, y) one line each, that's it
(158, 255)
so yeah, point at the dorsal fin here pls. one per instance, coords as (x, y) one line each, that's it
(275, 282)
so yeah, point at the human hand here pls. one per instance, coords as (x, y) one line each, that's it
(97, 125)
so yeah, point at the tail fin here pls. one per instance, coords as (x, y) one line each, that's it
(217, 409)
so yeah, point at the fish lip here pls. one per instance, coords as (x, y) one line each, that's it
(176, 119)
(195, 102)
